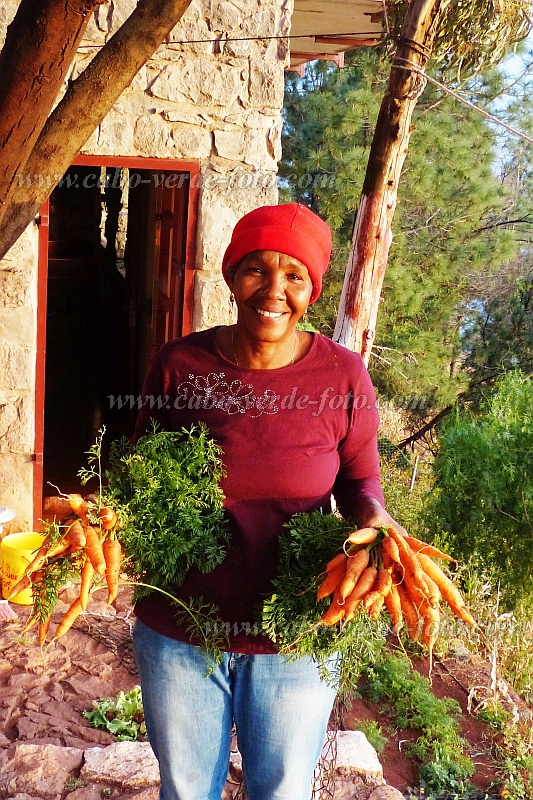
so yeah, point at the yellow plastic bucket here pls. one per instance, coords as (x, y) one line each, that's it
(18, 550)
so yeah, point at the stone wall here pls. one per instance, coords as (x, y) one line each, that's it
(202, 96)
(18, 325)
(210, 99)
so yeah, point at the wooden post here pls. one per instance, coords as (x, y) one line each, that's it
(372, 236)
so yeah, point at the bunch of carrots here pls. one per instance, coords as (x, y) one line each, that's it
(379, 569)
(87, 539)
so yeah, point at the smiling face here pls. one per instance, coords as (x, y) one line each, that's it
(272, 292)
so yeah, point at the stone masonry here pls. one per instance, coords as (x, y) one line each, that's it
(201, 97)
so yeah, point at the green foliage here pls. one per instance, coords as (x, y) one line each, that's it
(404, 505)
(47, 585)
(495, 716)
(122, 716)
(439, 747)
(483, 498)
(166, 491)
(448, 194)
(469, 35)
(516, 771)
(373, 733)
(291, 613)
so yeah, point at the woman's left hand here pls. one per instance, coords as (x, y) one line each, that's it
(371, 514)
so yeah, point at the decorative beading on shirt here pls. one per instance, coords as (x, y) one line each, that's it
(235, 397)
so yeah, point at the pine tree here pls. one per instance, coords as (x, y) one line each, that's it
(448, 193)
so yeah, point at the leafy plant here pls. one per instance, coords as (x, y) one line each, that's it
(483, 498)
(516, 772)
(291, 613)
(495, 716)
(167, 493)
(439, 747)
(122, 716)
(373, 733)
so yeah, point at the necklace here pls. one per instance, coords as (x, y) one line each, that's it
(294, 352)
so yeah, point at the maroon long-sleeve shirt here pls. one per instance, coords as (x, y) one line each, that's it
(291, 437)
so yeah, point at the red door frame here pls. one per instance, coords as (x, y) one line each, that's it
(157, 164)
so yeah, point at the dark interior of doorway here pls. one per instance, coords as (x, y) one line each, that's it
(89, 338)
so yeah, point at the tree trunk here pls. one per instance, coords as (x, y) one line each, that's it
(40, 45)
(85, 104)
(372, 236)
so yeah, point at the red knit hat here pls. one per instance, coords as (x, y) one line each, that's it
(291, 229)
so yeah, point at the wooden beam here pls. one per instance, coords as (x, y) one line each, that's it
(346, 40)
(372, 236)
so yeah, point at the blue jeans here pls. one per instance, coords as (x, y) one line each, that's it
(280, 709)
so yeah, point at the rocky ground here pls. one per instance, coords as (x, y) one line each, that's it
(49, 750)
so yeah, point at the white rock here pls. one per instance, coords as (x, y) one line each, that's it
(131, 765)
(385, 793)
(191, 141)
(16, 366)
(200, 81)
(215, 224)
(356, 771)
(355, 755)
(40, 769)
(152, 136)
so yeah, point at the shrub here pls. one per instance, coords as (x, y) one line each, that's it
(482, 502)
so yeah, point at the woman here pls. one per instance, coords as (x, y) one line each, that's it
(296, 418)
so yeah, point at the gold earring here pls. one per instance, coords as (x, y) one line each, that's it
(232, 298)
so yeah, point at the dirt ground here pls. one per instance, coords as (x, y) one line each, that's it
(41, 699)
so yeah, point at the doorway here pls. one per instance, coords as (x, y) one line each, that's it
(118, 282)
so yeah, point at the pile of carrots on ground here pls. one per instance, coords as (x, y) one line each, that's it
(87, 537)
(391, 570)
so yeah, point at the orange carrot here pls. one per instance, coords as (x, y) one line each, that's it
(388, 563)
(381, 588)
(108, 518)
(430, 628)
(93, 549)
(375, 609)
(363, 586)
(331, 581)
(87, 573)
(334, 613)
(340, 558)
(428, 549)
(354, 569)
(76, 537)
(434, 591)
(389, 548)
(57, 507)
(43, 630)
(351, 609)
(113, 558)
(23, 583)
(413, 574)
(78, 505)
(394, 607)
(46, 551)
(362, 536)
(68, 620)
(383, 582)
(409, 611)
(449, 591)
(29, 624)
